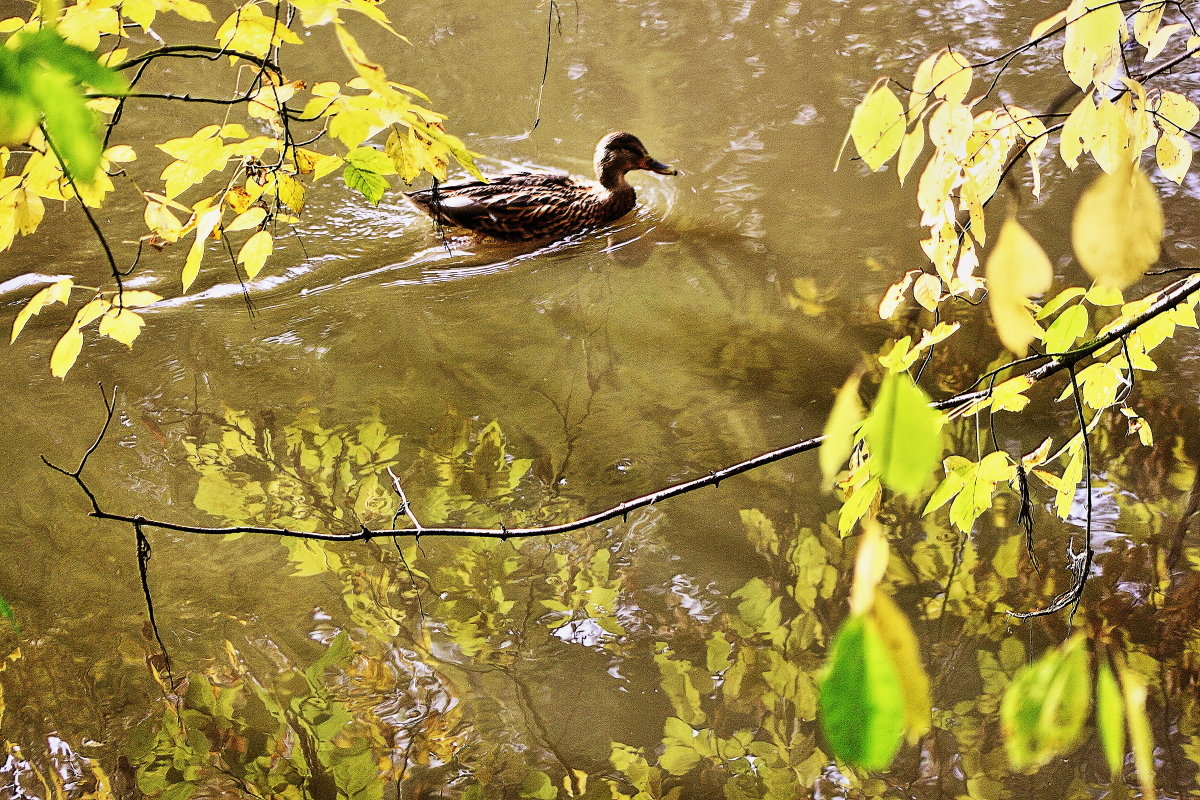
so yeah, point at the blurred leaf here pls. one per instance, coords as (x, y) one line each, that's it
(1110, 718)
(862, 706)
(1045, 706)
(1118, 226)
(1017, 270)
(904, 434)
(905, 653)
(1140, 739)
(840, 428)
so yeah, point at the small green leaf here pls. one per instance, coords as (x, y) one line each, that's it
(372, 185)
(369, 159)
(1110, 717)
(70, 124)
(862, 706)
(538, 786)
(678, 759)
(904, 434)
(1068, 327)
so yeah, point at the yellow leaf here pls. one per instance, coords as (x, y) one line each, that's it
(1047, 25)
(1109, 138)
(869, 566)
(254, 253)
(895, 294)
(1017, 269)
(249, 30)
(1146, 20)
(1174, 155)
(248, 219)
(1076, 132)
(139, 12)
(902, 646)
(121, 324)
(57, 292)
(28, 212)
(1160, 40)
(66, 351)
(162, 222)
(188, 9)
(950, 128)
(877, 126)
(204, 228)
(1092, 51)
(951, 77)
(1118, 226)
(291, 191)
(910, 148)
(844, 419)
(1176, 111)
(928, 291)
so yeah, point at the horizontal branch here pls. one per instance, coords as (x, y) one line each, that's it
(1171, 297)
(205, 52)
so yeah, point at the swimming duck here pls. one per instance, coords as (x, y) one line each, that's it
(528, 205)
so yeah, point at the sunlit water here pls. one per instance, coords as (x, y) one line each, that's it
(712, 324)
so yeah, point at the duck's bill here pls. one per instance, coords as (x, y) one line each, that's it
(660, 168)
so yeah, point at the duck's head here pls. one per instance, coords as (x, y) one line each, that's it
(620, 152)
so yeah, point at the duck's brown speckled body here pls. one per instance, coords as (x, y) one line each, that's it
(530, 205)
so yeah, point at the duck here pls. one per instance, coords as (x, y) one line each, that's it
(530, 205)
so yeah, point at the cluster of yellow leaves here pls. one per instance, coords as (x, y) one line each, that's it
(117, 320)
(262, 178)
(1118, 224)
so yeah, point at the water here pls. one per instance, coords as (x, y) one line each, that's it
(714, 323)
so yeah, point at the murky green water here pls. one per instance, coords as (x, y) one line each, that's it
(713, 324)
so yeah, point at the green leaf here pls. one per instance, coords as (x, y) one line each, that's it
(338, 651)
(1068, 327)
(369, 159)
(372, 185)
(7, 613)
(1140, 738)
(1044, 707)
(904, 434)
(1110, 718)
(70, 124)
(839, 431)
(537, 785)
(862, 707)
(53, 52)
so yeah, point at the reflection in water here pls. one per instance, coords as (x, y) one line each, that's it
(675, 651)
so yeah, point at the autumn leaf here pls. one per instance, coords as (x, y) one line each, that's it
(1016, 270)
(1118, 226)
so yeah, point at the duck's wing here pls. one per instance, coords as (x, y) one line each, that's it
(519, 206)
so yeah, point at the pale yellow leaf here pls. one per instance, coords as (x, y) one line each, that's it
(895, 294)
(928, 291)
(247, 220)
(205, 224)
(950, 127)
(1017, 269)
(1076, 132)
(1161, 39)
(1109, 140)
(1174, 155)
(877, 126)
(1146, 20)
(254, 253)
(121, 324)
(66, 351)
(951, 77)
(1047, 25)
(1176, 111)
(1092, 51)
(57, 292)
(1118, 227)
(910, 148)
(869, 566)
